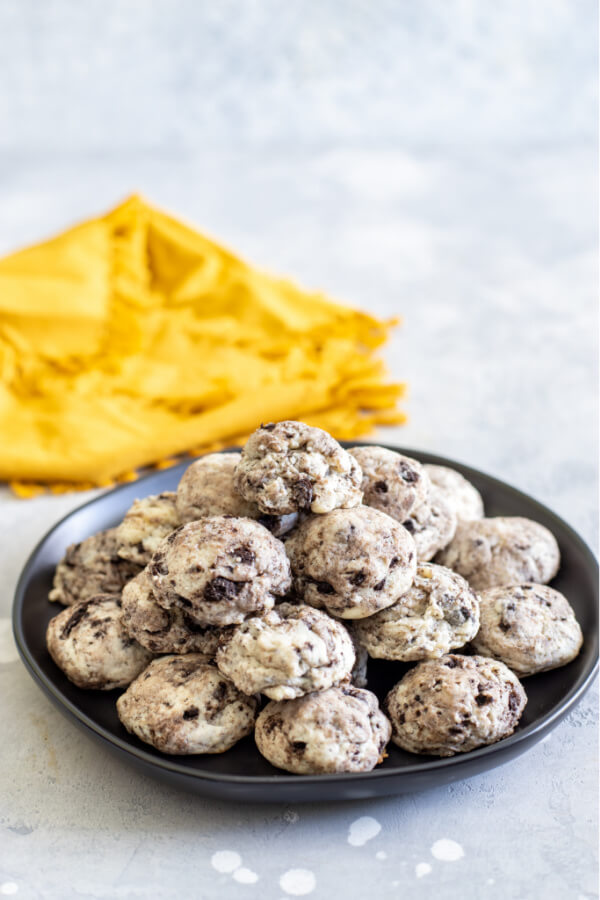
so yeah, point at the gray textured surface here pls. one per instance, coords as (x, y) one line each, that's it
(435, 160)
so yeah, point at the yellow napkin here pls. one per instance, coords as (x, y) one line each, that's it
(132, 337)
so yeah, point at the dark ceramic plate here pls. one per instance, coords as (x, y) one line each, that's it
(241, 773)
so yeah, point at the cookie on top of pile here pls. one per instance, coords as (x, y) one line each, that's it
(276, 573)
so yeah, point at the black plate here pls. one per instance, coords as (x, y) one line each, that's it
(241, 773)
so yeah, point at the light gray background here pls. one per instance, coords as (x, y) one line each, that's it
(433, 159)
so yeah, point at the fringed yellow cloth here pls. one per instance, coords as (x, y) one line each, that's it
(132, 337)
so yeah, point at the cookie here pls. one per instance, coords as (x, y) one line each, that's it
(500, 551)
(432, 525)
(164, 630)
(530, 627)
(454, 704)
(352, 562)
(292, 650)
(145, 525)
(88, 641)
(392, 483)
(220, 570)
(288, 466)
(91, 567)
(438, 613)
(207, 489)
(464, 497)
(184, 705)
(338, 730)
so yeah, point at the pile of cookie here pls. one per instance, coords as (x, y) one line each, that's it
(279, 572)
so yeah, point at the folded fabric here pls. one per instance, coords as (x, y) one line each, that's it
(132, 337)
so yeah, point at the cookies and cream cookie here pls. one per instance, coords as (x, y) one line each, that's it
(145, 525)
(432, 525)
(184, 705)
(454, 704)
(338, 730)
(352, 562)
(90, 567)
(89, 642)
(438, 613)
(502, 550)
(289, 466)
(290, 651)
(164, 630)
(391, 482)
(530, 627)
(220, 570)
(464, 497)
(207, 488)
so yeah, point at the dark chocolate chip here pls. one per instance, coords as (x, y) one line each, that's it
(268, 427)
(244, 554)
(298, 746)
(381, 487)
(380, 586)
(171, 537)
(302, 492)
(222, 589)
(79, 613)
(407, 474)
(272, 723)
(483, 699)
(409, 525)
(358, 578)
(158, 566)
(454, 617)
(513, 701)
(191, 713)
(324, 587)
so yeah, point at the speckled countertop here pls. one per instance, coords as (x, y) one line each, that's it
(435, 160)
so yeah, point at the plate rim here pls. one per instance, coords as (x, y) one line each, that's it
(166, 763)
